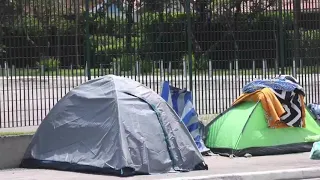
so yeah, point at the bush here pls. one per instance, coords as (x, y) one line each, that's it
(197, 65)
(27, 25)
(310, 46)
(101, 23)
(146, 66)
(162, 37)
(63, 26)
(111, 50)
(255, 38)
(165, 37)
(50, 64)
(125, 62)
(201, 64)
(128, 63)
(107, 48)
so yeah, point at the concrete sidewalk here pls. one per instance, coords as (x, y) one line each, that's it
(292, 166)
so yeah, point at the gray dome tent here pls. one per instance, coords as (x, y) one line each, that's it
(113, 125)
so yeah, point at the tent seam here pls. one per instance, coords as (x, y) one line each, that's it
(244, 127)
(118, 115)
(162, 127)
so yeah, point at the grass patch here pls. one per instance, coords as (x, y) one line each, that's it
(16, 133)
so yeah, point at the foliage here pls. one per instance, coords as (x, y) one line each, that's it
(310, 46)
(201, 64)
(165, 37)
(27, 25)
(216, 35)
(102, 24)
(128, 63)
(245, 38)
(197, 65)
(125, 62)
(146, 66)
(106, 48)
(49, 64)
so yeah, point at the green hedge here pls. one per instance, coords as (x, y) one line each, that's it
(165, 37)
(155, 37)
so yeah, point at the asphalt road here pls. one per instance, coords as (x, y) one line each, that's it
(25, 101)
(217, 165)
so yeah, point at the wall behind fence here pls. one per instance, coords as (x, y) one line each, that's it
(210, 47)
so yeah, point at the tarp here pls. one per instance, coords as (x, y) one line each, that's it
(243, 129)
(113, 125)
(181, 101)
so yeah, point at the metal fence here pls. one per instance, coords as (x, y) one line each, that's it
(212, 47)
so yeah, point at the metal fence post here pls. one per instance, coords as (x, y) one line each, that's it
(276, 65)
(296, 18)
(189, 35)
(264, 68)
(184, 68)
(294, 73)
(281, 41)
(42, 69)
(86, 70)
(101, 70)
(161, 69)
(138, 69)
(254, 67)
(210, 68)
(6, 69)
(87, 44)
(114, 68)
(13, 70)
(237, 67)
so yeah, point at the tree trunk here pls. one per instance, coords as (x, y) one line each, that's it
(296, 15)
(196, 48)
(129, 18)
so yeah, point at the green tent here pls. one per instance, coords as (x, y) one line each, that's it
(243, 129)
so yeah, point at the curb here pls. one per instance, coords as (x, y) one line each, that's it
(12, 149)
(287, 174)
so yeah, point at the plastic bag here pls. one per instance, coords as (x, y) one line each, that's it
(313, 138)
(315, 109)
(315, 151)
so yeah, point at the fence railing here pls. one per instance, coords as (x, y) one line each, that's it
(210, 47)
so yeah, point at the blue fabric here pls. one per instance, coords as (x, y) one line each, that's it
(193, 127)
(276, 84)
(165, 91)
(198, 142)
(188, 116)
(181, 101)
(175, 97)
